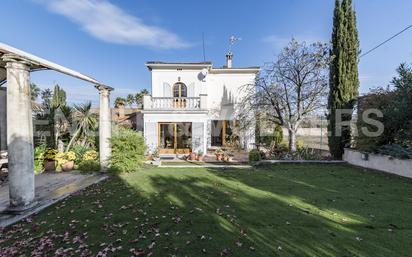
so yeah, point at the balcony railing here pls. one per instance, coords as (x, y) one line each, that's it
(175, 103)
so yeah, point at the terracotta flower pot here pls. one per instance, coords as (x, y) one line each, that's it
(200, 158)
(193, 156)
(50, 166)
(68, 166)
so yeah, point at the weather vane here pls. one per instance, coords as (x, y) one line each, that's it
(232, 41)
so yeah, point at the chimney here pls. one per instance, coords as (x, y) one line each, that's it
(229, 59)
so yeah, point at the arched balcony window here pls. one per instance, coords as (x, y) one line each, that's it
(179, 90)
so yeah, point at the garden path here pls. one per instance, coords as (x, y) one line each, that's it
(49, 188)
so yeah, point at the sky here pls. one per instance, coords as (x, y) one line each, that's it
(111, 40)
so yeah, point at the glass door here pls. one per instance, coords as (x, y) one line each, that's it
(167, 142)
(175, 138)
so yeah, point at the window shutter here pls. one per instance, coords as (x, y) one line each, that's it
(167, 90)
(191, 90)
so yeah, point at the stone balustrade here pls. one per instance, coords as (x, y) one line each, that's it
(174, 103)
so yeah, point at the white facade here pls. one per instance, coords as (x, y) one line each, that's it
(194, 95)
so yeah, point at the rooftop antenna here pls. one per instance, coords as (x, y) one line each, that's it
(232, 41)
(229, 55)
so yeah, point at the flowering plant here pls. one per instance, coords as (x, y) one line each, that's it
(90, 155)
(70, 156)
(50, 155)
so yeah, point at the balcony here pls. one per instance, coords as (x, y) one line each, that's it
(175, 103)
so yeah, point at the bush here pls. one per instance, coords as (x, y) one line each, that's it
(81, 150)
(299, 144)
(274, 139)
(397, 151)
(254, 156)
(90, 155)
(89, 166)
(395, 105)
(278, 135)
(39, 152)
(128, 150)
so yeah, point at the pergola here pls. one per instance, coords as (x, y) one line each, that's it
(16, 125)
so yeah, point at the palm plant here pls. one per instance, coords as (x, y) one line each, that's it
(85, 121)
(119, 102)
(35, 91)
(46, 95)
(139, 97)
(130, 100)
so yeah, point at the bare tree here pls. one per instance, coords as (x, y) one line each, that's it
(291, 87)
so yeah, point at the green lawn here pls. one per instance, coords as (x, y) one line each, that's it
(283, 210)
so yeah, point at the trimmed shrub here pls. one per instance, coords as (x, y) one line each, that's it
(397, 151)
(254, 155)
(128, 150)
(89, 166)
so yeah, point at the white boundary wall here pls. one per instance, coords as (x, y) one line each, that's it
(379, 162)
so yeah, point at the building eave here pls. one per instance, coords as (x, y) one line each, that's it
(247, 70)
(177, 65)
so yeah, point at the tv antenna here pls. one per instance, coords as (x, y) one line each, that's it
(232, 41)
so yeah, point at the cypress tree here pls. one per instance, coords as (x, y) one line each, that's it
(344, 77)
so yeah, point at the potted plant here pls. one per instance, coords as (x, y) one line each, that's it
(200, 155)
(156, 155)
(50, 160)
(68, 161)
(226, 157)
(219, 154)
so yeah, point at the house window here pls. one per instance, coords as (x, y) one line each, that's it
(224, 133)
(179, 90)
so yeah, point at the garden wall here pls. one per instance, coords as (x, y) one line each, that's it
(379, 162)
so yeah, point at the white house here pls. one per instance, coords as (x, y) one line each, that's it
(192, 106)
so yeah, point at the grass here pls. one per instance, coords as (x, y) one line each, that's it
(281, 210)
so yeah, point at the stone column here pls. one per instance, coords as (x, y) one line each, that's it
(3, 119)
(19, 134)
(105, 126)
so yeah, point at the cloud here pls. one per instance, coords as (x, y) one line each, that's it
(281, 41)
(109, 23)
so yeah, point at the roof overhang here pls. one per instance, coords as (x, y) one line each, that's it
(249, 70)
(165, 65)
(37, 63)
(199, 66)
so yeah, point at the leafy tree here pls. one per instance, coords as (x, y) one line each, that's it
(46, 95)
(292, 87)
(85, 120)
(59, 97)
(139, 97)
(343, 76)
(393, 104)
(119, 101)
(35, 91)
(130, 99)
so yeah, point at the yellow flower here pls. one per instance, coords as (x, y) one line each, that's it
(70, 156)
(90, 155)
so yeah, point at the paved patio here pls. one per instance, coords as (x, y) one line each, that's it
(49, 188)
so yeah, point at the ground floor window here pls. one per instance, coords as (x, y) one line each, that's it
(224, 133)
(175, 137)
